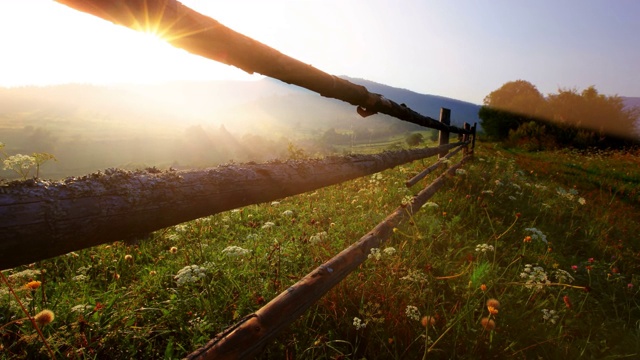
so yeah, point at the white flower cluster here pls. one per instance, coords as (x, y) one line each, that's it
(234, 251)
(537, 235)
(563, 276)
(407, 199)
(484, 248)
(535, 275)
(19, 162)
(190, 274)
(412, 312)
(376, 178)
(416, 276)
(376, 254)
(550, 316)
(268, 225)
(82, 308)
(567, 194)
(318, 238)
(24, 275)
(288, 213)
(358, 323)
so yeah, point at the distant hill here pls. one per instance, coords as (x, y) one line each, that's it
(631, 101)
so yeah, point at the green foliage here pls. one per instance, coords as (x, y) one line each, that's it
(414, 139)
(569, 118)
(532, 230)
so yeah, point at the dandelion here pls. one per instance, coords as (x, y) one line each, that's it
(44, 317)
(412, 312)
(550, 316)
(173, 250)
(428, 320)
(234, 251)
(488, 324)
(32, 285)
(358, 323)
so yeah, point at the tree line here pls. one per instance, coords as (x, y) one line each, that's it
(517, 113)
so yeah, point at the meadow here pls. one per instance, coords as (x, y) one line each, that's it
(522, 255)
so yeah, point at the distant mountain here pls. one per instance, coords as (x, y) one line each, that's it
(429, 105)
(631, 101)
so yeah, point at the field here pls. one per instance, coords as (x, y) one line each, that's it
(520, 256)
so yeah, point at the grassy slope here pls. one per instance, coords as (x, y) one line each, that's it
(108, 305)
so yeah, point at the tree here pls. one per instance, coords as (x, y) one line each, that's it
(513, 104)
(414, 139)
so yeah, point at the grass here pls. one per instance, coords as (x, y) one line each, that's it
(553, 237)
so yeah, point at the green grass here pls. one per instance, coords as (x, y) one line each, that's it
(110, 305)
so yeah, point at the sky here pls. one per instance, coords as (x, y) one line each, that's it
(453, 48)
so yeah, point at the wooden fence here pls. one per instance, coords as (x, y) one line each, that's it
(41, 219)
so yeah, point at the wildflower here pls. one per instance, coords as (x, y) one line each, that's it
(488, 324)
(153, 272)
(81, 308)
(416, 276)
(574, 267)
(190, 274)
(287, 213)
(535, 275)
(563, 276)
(412, 312)
(389, 251)
(375, 254)
(173, 250)
(567, 301)
(44, 317)
(461, 171)
(550, 315)
(116, 276)
(80, 278)
(527, 239)
(484, 248)
(317, 238)
(494, 303)
(537, 235)
(483, 287)
(268, 225)
(591, 260)
(629, 286)
(128, 257)
(489, 192)
(428, 320)
(582, 201)
(233, 251)
(32, 285)
(407, 199)
(492, 310)
(359, 324)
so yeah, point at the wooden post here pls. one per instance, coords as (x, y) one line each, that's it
(465, 138)
(473, 140)
(445, 118)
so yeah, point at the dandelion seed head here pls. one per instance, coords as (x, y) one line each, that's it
(44, 317)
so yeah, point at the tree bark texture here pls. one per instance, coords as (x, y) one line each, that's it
(41, 219)
(247, 339)
(201, 35)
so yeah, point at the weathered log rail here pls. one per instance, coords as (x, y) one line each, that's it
(41, 219)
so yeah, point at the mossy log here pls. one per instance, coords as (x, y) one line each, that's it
(41, 219)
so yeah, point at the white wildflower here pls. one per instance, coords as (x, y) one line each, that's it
(318, 238)
(81, 308)
(268, 225)
(536, 276)
(484, 248)
(287, 213)
(550, 316)
(190, 274)
(582, 201)
(407, 199)
(375, 254)
(415, 276)
(412, 312)
(563, 276)
(461, 172)
(358, 323)
(389, 251)
(234, 251)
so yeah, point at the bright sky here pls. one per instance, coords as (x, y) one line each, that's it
(459, 49)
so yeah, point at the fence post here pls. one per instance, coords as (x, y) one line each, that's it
(473, 140)
(465, 138)
(445, 118)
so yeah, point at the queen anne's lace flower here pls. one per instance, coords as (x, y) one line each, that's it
(190, 274)
(412, 312)
(235, 251)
